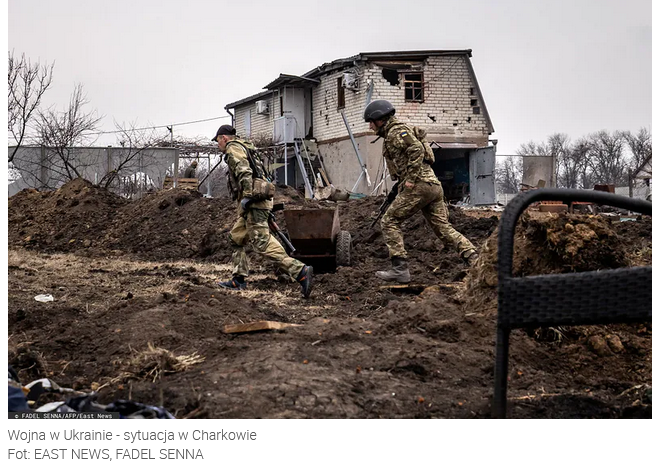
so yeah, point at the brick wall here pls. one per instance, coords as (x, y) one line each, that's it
(447, 107)
(449, 101)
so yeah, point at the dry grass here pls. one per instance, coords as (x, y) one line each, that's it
(551, 334)
(108, 274)
(641, 257)
(286, 299)
(155, 362)
(29, 360)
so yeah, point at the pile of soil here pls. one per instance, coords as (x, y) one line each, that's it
(70, 217)
(175, 224)
(361, 352)
(559, 244)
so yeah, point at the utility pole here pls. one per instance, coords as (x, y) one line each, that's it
(170, 128)
(176, 164)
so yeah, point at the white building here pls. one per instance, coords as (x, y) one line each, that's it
(436, 90)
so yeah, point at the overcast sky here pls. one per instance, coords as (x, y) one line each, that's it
(575, 66)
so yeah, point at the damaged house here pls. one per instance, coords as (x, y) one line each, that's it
(315, 120)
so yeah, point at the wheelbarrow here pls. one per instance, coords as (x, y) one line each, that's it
(318, 239)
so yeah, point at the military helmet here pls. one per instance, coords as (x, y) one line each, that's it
(378, 110)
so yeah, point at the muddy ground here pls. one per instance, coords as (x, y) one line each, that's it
(137, 315)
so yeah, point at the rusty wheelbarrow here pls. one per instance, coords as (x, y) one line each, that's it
(317, 236)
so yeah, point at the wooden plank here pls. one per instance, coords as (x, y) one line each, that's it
(553, 208)
(324, 176)
(184, 183)
(168, 182)
(257, 326)
(415, 289)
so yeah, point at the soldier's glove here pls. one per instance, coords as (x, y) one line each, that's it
(245, 203)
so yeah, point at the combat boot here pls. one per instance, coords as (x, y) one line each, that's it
(471, 257)
(306, 280)
(237, 283)
(399, 271)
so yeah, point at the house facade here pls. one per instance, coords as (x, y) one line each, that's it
(320, 113)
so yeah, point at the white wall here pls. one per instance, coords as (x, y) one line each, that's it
(90, 162)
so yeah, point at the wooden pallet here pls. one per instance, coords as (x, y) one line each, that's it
(182, 183)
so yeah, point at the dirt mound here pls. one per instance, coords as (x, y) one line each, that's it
(557, 244)
(178, 224)
(83, 218)
(546, 244)
(61, 220)
(169, 224)
(362, 351)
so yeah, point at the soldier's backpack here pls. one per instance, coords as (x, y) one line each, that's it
(421, 134)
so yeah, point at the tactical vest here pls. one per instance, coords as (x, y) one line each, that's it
(262, 181)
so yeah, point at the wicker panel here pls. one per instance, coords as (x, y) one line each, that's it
(586, 298)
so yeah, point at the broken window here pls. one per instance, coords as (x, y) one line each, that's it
(281, 106)
(413, 86)
(391, 76)
(341, 94)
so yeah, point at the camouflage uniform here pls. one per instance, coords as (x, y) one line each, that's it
(404, 154)
(190, 172)
(253, 227)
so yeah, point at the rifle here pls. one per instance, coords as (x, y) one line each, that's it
(275, 229)
(387, 202)
(220, 160)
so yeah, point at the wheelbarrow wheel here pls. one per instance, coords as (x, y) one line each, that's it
(344, 247)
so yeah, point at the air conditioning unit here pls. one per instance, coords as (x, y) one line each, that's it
(261, 107)
(350, 81)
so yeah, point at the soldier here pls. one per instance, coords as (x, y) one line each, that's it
(190, 172)
(408, 160)
(253, 210)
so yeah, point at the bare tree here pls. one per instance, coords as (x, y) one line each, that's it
(59, 132)
(641, 148)
(572, 165)
(532, 148)
(558, 146)
(26, 84)
(607, 162)
(640, 145)
(508, 175)
(132, 158)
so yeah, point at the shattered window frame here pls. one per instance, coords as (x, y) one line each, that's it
(414, 88)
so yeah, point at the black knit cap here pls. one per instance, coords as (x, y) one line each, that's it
(228, 130)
